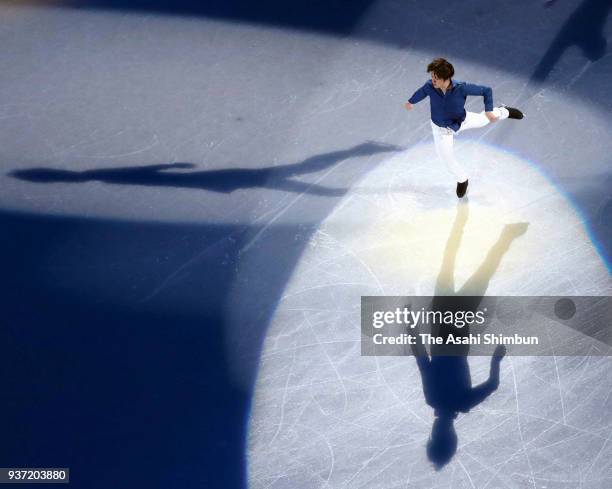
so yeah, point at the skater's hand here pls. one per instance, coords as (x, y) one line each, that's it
(491, 116)
(408, 106)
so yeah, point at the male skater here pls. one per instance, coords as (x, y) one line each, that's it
(448, 115)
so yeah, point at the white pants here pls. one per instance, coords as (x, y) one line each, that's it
(443, 139)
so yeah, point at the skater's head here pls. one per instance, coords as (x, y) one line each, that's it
(441, 72)
(442, 444)
(47, 175)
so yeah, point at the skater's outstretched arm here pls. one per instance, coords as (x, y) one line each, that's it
(484, 390)
(417, 96)
(481, 91)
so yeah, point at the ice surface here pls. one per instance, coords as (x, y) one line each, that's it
(324, 416)
(193, 204)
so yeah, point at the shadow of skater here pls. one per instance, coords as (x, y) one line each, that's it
(584, 29)
(226, 180)
(447, 384)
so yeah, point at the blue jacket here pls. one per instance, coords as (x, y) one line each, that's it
(447, 110)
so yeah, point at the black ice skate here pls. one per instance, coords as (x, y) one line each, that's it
(513, 113)
(462, 188)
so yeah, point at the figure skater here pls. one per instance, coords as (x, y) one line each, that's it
(448, 115)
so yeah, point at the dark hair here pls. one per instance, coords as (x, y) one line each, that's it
(441, 68)
(442, 444)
